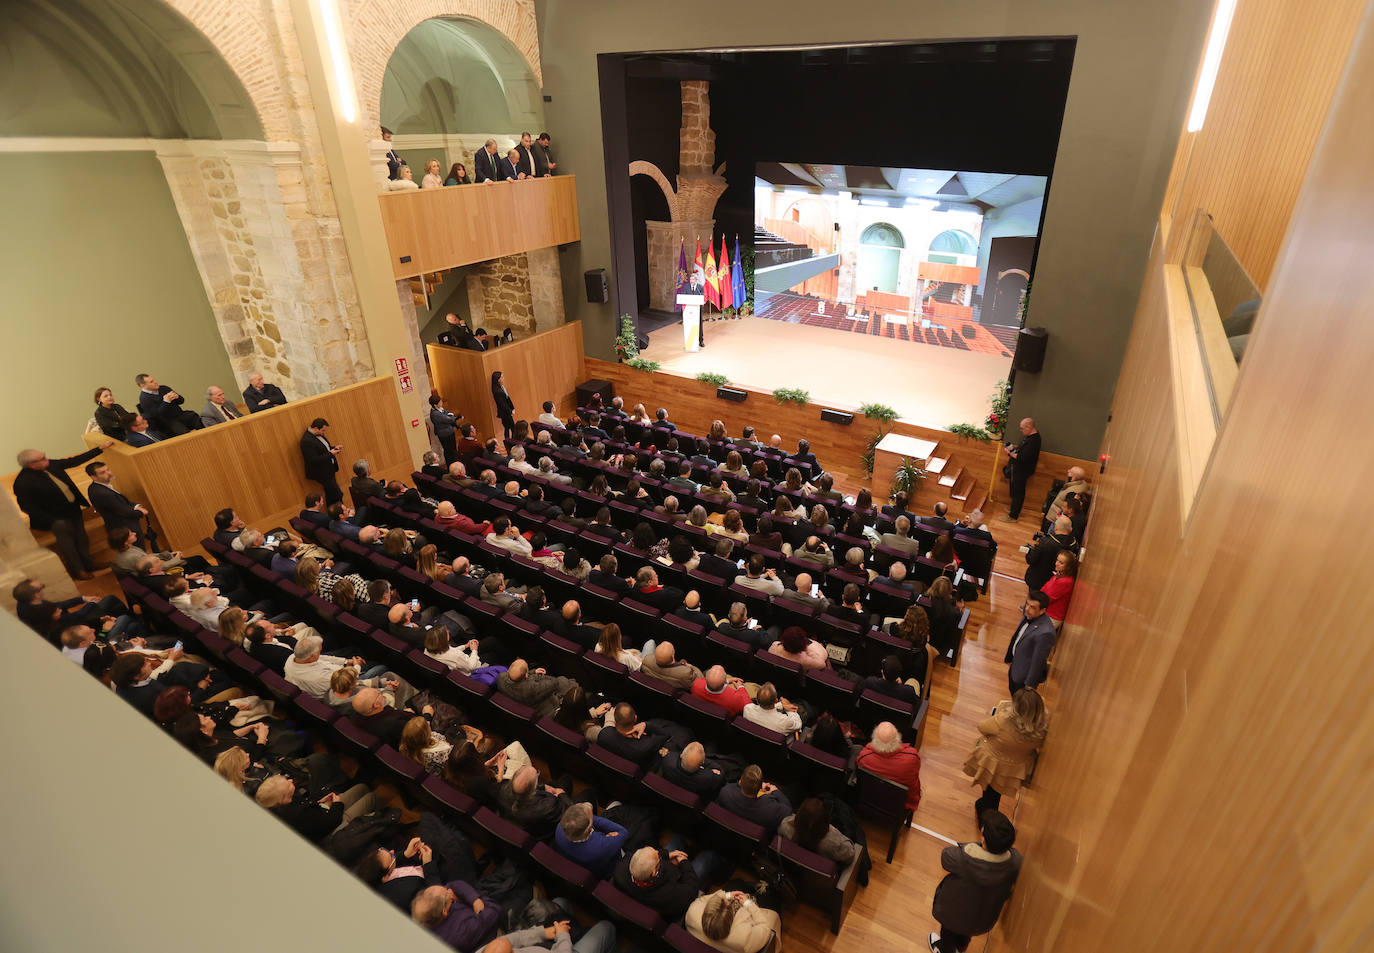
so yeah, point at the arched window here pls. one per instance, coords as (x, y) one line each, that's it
(880, 257)
(881, 233)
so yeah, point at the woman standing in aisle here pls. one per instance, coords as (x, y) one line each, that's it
(505, 407)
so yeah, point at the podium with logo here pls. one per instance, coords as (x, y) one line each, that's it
(691, 320)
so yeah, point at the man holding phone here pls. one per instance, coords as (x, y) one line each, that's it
(321, 459)
(1024, 456)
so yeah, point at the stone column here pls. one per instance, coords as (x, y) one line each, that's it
(665, 240)
(22, 558)
(504, 285)
(546, 288)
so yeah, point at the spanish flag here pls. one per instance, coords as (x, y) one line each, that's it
(712, 279)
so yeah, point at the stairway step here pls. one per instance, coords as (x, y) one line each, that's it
(935, 465)
(976, 500)
(949, 478)
(963, 487)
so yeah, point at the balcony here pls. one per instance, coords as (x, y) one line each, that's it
(431, 230)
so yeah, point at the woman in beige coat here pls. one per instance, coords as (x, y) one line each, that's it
(730, 921)
(1004, 755)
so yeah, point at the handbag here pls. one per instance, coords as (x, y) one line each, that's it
(773, 889)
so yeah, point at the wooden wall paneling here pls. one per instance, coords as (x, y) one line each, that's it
(254, 464)
(1202, 786)
(544, 366)
(1280, 69)
(443, 228)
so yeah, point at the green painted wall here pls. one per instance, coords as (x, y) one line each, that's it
(1133, 72)
(98, 285)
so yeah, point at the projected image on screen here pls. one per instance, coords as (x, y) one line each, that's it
(922, 255)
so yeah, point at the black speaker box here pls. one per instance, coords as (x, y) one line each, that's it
(837, 417)
(598, 290)
(731, 393)
(1030, 350)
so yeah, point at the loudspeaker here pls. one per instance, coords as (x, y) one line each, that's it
(598, 290)
(837, 417)
(731, 393)
(1030, 350)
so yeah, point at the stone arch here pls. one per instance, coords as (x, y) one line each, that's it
(376, 27)
(640, 167)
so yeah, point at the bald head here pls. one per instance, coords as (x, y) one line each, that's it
(572, 611)
(368, 701)
(525, 780)
(886, 738)
(499, 945)
(692, 757)
(715, 678)
(664, 654)
(804, 582)
(519, 669)
(1062, 524)
(1077, 473)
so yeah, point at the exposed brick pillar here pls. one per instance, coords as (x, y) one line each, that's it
(546, 288)
(504, 285)
(666, 239)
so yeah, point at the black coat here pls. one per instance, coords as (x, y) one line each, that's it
(320, 463)
(970, 899)
(670, 893)
(157, 411)
(109, 420)
(1027, 456)
(40, 498)
(505, 407)
(1040, 559)
(253, 396)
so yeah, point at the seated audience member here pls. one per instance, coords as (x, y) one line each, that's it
(1041, 556)
(816, 552)
(663, 664)
(549, 472)
(635, 740)
(253, 544)
(690, 769)
(900, 538)
(398, 875)
(139, 678)
(851, 607)
(716, 562)
(759, 578)
(802, 594)
(679, 552)
(772, 711)
(432, 464)
(160, 406)
(469, 446)
(314, 819)
(49, 618)
(892, 682)
(420, 744)
(914, 628)
(691, 610)
(456, 914)
(537, 689)
(529, 802)
(896, 578)
(137, 432)
(648, 591)
(1059, 587)
(733, 922)
(405, 179)
(944, 612)
(217, 409)
(494, 592)
(228, 525)
(265, 644)
(447, 516)
(610, 647)
(548, 416)
(314, 511)
(371, 712)
(259, 395)
(428, 565)
(810, 827)
(755, 799)
(717, 490)
(518, 462)
(768, 537)
(309, 668)
(590, 840)
(457, 175)
(888, 755)
(723, 690)
(804, 455)
(363, 486)
(738, 625)
(937, 520)
(109, 416)
(854, 565)
(464, 657)
(664, 881)
(796, 645)
(506, 535)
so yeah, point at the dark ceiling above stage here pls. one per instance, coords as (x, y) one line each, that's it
(981, 190)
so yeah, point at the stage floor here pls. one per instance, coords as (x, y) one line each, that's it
(929, 386)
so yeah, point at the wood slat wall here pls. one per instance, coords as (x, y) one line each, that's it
(1282, 63)
(1202, 786)
(443, 228)
(544, 366)
(254, 464)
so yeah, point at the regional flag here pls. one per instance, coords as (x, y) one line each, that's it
(723, 277)
(698, 272)
(712, 279)
(739, 292)
(681, 275)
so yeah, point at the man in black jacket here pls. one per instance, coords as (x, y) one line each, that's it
(1040, 557)
(1024, 456)
(544, 164)
(486, 163)
(719, 565)
(321, 459)
(372, 714)
(161, 407)
(638, 741)
(660, 879)
(114, 507)
(690, 769)
(756, 800)
(262, 396)
(52, 502)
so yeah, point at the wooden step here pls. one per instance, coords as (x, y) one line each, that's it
(935, 465)
(977, 499)
(963, 486)
(420, 300)
(951, 477)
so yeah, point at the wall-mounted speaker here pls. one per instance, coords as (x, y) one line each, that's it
(731, 393)
(1030, 350)
(837, 417)
(598, 289)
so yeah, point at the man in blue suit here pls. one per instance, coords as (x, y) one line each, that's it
(1030, 644)
(162, 407)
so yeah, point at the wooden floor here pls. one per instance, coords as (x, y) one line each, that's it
(893, 911)
(929, 386)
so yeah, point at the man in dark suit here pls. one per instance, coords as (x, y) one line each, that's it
(137, 432)
(525, 155)
(161, 406)
(393, 161)
(536, 609)
(262, 396)
(510, 166)
(544, 164)
(114, 507)
(1030, 645)
(938, 522)
(485, 163)
(648, 591)
(633, 739)
(1024, 456)
(605, 575)
(890, 682)
(376, 610)
(690, 769)
(457, 332)
(691, 611)
(661, 419)
(52, 501)
(321, 459)
(373, 715)
(719, 564)
(756, 800)
(574, 628)
(314, 512)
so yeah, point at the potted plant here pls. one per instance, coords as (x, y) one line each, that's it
(966, 432)
(791, 395)
(908, 475)
(625, 347)
(996, 423)
(714, 379)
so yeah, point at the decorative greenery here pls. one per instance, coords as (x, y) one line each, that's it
(878, 412)
(970, 431)
(729, 312)
(746, 310)
(712, 378)
(643, 364)
(1025, 304)
(625, 347)
(996, 423)
(907, 476)
(791, 395)
(870, 449)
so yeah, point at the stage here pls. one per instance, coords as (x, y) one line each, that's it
(929, 386)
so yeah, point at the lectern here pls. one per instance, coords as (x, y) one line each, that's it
(691, 320)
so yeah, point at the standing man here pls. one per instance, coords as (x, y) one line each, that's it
(1024, 456)
(260, 396)
(457, 333)
(161, 407)
(980, 880)
(544, 165)
(52, 501)
(526, 161)
(445, 424)
(509, 167)
(485, 163)
(1030, 645)
(114, 507)
(321, 459)
(393, 161)
(217, 410)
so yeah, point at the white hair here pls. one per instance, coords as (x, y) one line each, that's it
(517, 452)
(644, 863)
(886, 738)
(306, 646)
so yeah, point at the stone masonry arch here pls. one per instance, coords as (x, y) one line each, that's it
(376, 27)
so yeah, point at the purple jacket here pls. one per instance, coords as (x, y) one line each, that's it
(462, 929)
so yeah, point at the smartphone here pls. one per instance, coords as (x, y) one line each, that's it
(740, 563)
(177, 647)
(270, 541)
(815, 589)
(414, 605)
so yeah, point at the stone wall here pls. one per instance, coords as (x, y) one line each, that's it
(504, 286)
(546, 288)
(666, 239)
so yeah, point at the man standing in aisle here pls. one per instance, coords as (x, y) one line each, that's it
(52, 501)
(114, 507)
(1030, 646)
(321, 459)
(1024, 456)
(980, 880)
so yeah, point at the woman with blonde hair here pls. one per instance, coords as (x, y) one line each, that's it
(396, 544)
(732, 922)
(610, 646)
(233, 622)
(439, 647)
(427, 562)
(420, 744)
(1004, 755)
(232, 765)
(717, 431)
(432, 179)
